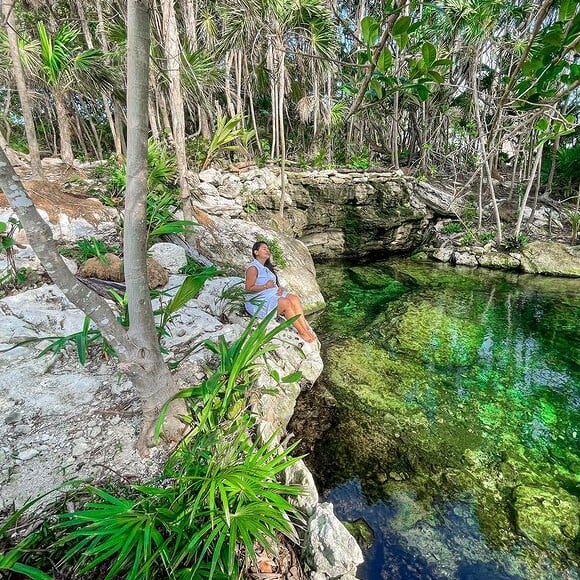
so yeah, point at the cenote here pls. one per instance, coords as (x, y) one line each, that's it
(454, 449)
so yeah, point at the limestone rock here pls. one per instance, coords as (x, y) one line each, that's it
(211, 176)
(329, 549)
(498, 260)
(170, 256)
(443, 254)
(298, 474)
(465, 259)
(551, 258)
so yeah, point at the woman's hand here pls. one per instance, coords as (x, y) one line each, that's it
(280, 291)
(269, 284)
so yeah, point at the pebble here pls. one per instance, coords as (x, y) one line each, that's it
(28, 454)
(95, 432)
(81, 446)
(21, 429)
(13, 418)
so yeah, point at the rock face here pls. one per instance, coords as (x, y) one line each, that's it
(335, 214)
(229, 242)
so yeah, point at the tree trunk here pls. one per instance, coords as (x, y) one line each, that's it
(482, 146)
(66, 151)
(528, 189)
(172, 51)
(153, 382)
(29, 129)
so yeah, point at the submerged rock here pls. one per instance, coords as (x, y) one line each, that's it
(547, 516)
(361, 532)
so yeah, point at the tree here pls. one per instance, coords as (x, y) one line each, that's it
(7, 6)
(137, 347)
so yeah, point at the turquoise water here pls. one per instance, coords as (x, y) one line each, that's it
(456, 445)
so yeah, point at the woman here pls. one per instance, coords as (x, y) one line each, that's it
(263, 293)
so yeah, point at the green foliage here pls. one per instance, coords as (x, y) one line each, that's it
(276, 251)
(485, 237)
(574, 219)
(192, 267)
(219, 491)
(514, 243)
(86, 248)
(81, 341)
(360, 161)
(230, 135)
(187, 291)
(467, 239)
(452, 228)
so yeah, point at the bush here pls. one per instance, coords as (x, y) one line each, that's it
(452, 228)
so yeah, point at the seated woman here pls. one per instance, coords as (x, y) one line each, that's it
(263, 293)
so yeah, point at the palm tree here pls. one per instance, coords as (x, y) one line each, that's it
(66, 68)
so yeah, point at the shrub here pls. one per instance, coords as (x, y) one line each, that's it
(452, 228)
(276, 251)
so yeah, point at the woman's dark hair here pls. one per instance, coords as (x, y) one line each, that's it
(268, 262)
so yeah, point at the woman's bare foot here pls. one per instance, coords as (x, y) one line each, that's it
(307, 336)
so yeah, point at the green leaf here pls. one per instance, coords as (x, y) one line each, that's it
(377, 88)
(443, 62)
(401, 26)
(429, 53)
(3, 227)
(542, 124)
(567, 10)
(385, 60)
(402, 40)
(292, 377)
(422, 92)
(437, 77)
(370, 30)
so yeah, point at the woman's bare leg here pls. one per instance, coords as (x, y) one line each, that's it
(286, 306)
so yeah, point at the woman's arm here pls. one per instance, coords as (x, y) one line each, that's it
(251, 277)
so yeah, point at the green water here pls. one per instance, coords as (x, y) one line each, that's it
(458, 398)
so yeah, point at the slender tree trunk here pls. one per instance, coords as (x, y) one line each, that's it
(172, 51)
(66, 151)
(553, 158)
(483, 148)
(154, 384)
(33, 149)
(528, 189)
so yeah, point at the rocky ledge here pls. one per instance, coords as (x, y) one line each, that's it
(549, 258)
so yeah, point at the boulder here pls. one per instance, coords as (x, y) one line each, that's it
(498, 260)
(108, 268)
(465, 259)
(443, 254)
(551, 258)
(170, 256)
(329, 549)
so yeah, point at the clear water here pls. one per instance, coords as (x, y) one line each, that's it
(458, 402)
